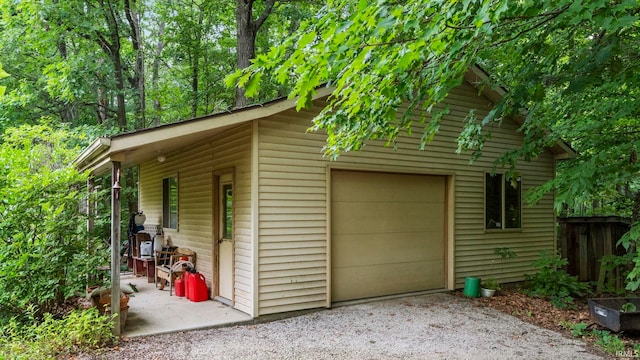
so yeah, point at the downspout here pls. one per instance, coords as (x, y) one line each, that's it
(115, 246)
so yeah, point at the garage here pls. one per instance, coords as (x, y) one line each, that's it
(387, 234)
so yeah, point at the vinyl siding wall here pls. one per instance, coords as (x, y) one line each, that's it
(293, 186)
(194, 166)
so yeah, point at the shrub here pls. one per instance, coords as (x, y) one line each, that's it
(553, 282)
(78, 330)
(43, 237)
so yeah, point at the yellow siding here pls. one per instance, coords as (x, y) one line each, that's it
(194, 166)
(292, 179)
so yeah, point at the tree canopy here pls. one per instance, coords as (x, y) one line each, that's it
(417, 51)
(569, 66)
(131, 64)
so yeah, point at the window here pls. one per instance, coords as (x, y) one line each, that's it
(502, 202)
(170, 202)
(227, 211)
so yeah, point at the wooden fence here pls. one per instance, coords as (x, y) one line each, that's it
(585, 240)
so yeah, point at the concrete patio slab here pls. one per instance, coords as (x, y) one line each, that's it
(152, 311)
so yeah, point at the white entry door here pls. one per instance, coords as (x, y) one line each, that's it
(225, 242)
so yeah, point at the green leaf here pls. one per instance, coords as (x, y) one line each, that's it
(623, 22)
(253, 85)
(232, 79)
(306, 39)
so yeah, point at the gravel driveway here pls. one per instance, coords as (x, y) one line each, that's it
(435, 326)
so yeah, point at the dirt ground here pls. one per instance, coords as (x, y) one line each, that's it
(542, 313)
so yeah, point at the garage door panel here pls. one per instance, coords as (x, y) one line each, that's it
(381, 248)
(387, 234)
(354, 186)
(390, 279)
(376, 217)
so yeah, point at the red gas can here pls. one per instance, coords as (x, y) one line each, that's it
(179, 284)
(188, 280)
(197, 288)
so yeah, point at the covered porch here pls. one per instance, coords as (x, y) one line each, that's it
(152, 311)
(222, 160)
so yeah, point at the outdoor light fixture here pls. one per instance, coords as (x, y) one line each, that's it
(116, 185)
(161, 158)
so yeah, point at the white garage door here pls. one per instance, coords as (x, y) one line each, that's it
(387, 234)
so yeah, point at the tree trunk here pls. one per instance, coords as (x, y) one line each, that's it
(246, 31)
(194, 84)
(195, 66)
(131, 194)
(121, 112)
(111, 48)
(157, 105)
(102, 112)
(67, 114)
(137, 81)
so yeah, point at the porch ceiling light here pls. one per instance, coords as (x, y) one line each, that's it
(161, 158)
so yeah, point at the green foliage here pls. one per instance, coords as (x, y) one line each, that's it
(628, 307)
(417, 51)
(3, 74)
(505, 253)
(44, 257)
(611, 343)
(54, 72)
(401, 47)
(615, 267)
(631, 241)
(553, 282)
(51, 338)
(62, 57)
(578, 330)
(491, 284)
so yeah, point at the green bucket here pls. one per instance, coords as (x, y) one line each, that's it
(471, 287)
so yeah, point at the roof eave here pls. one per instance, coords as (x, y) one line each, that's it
(96, 157)
(92, 154)
(562, 151)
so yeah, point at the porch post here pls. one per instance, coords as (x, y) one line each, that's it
(115, 245)
(91, 208)
(90, 217)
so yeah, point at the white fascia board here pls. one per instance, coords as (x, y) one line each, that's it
(91, 153)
